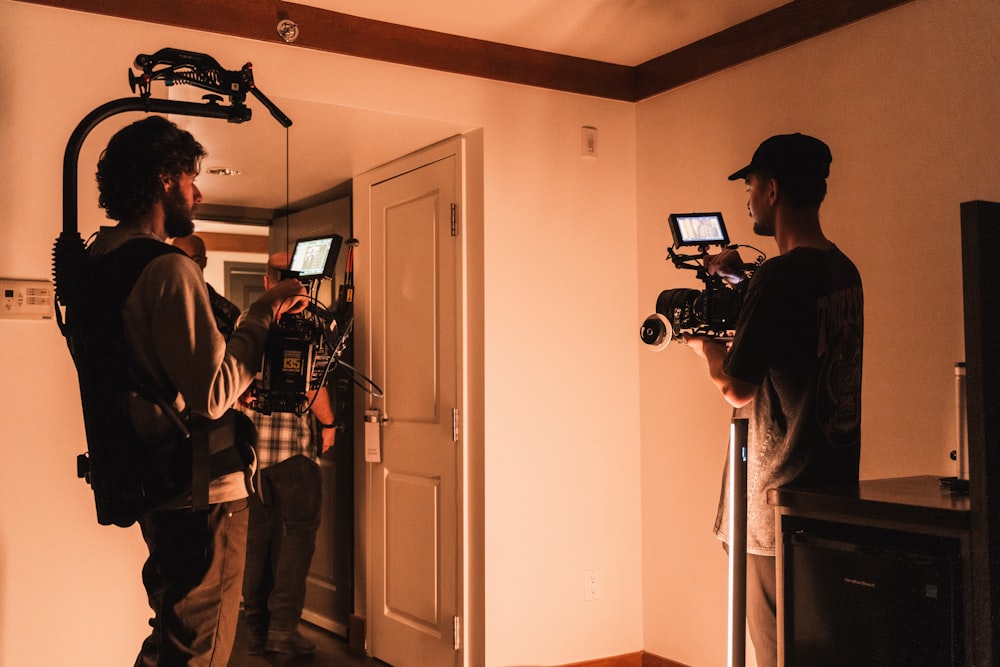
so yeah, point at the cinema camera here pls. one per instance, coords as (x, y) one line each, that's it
(303, 348)
(711, 312)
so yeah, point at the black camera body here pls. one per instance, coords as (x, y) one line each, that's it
(303, 348)
(289, 369)
(711, 312)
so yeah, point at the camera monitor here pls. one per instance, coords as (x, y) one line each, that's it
(317, 256)
(698, 229)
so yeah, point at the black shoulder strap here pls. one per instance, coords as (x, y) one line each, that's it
(116, 459)
(129, 476)
(117, 273)
(112, 278)
(119, 270)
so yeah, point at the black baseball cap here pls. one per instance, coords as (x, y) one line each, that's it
(791, 155)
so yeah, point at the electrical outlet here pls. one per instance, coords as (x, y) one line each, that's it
(591, 585)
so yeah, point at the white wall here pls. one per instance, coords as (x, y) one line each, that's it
(561, 374)
(907, 101)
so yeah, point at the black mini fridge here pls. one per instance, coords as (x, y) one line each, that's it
(870, 598)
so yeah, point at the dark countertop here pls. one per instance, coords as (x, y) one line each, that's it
(921, 499)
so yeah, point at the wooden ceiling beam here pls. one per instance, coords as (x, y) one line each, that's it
(335, 32)
(784, 26)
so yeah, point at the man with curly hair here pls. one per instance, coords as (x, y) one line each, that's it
(193, 576)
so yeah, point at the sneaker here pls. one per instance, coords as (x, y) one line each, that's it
(289, 642)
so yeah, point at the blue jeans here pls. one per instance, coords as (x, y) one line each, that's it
(192, 578)
(284, 518)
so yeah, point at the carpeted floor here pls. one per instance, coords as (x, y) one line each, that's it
(331, 651)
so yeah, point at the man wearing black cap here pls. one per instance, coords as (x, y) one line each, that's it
(793, 368)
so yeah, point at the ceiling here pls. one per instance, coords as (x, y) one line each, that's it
(328, 145)
(624, 32)
(619, 49)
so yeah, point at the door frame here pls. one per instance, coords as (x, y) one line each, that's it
(468, 149)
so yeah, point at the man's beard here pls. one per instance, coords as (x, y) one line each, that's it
(178, 215)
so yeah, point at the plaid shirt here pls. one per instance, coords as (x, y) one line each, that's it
(282, 435)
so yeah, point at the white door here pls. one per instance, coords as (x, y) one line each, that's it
(413, 354)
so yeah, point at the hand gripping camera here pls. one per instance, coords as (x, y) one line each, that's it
(711, 312)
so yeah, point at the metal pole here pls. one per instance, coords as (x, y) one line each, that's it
(962, 444)
(738, 431)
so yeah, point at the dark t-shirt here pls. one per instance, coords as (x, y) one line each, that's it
(799, 338)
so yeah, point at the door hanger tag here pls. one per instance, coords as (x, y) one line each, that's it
(373, 437)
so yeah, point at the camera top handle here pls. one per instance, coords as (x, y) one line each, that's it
(697, 262)
(692, 262)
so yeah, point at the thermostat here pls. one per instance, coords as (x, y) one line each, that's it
(27, 299)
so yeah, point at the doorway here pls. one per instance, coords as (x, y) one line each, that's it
(244, 282)
(330, 582)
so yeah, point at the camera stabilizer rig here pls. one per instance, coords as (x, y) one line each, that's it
(115, 464)
(711, 312)
(173, 67)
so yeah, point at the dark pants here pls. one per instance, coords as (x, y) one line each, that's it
(192, 578)
(762, 615)
(280, 544)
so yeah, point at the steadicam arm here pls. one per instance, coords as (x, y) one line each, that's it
(173, 67)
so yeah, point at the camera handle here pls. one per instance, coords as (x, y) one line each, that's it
(691, 262)
(697, 262)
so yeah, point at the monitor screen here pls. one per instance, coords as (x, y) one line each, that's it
(694, 229)
(314, 257)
